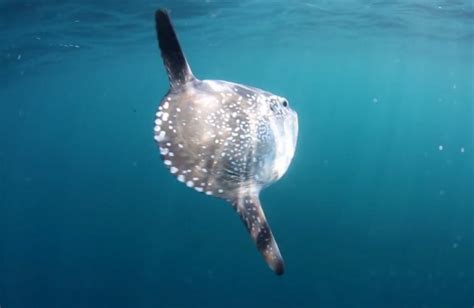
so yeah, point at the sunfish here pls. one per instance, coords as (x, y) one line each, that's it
(224, 139)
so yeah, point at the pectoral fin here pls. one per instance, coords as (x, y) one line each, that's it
(251, 213)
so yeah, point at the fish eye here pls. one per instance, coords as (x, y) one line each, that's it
(285, 103)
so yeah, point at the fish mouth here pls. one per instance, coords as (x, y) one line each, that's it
(294, 126)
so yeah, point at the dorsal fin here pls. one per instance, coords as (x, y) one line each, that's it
(175, 62)
(250, 211)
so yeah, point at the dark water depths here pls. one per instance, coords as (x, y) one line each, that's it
(377, 209)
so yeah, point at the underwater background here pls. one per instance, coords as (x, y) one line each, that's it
(376, 210)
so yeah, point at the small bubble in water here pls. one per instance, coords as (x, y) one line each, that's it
(455, 245)
(463, 150)
(441, 147)
(375, 100)
(18, 57)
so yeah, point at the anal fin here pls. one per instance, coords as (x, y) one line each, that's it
(253, 217)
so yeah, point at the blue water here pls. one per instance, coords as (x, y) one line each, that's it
(376, 210)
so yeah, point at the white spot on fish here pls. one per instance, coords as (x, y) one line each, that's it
(174, 170)
(190, 183)
(166, 105)
(181, 178)
(165, 116)
(161, 136)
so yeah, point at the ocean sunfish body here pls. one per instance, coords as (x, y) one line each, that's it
(224, 139)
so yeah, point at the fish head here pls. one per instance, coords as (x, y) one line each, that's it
(282, 122)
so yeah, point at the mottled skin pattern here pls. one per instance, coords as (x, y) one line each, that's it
(224, 139)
